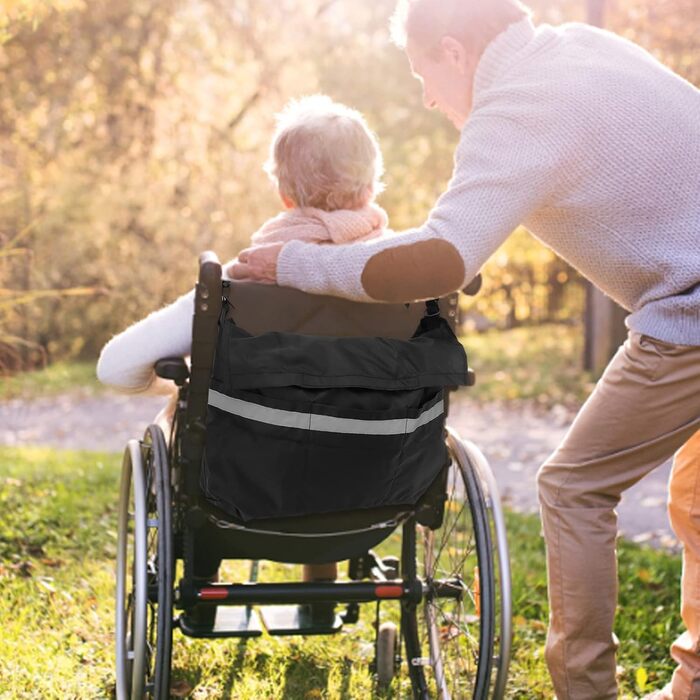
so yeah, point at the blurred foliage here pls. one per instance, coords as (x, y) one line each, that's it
(537, 363)
(17, 349)
(16, 13)
(132, 136)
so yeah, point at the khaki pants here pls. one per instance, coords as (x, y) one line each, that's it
(645, 406)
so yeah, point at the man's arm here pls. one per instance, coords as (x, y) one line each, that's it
(502, 173)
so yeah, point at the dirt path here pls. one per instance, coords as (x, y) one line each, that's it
(515, 441)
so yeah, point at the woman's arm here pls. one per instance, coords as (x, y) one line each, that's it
(126, 361)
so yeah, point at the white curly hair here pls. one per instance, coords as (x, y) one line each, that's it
(324, 155)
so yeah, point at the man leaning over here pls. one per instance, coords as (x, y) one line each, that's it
(594, 146)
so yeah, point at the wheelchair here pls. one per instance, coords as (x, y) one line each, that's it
(448, 581)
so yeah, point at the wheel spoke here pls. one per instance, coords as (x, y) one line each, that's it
(454, 626)
(148, 569)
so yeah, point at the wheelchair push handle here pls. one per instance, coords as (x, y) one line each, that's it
(209, 278)
(208, 256)
(204, 333)
(473, 288)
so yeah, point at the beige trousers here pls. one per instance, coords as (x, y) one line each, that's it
(645, 406)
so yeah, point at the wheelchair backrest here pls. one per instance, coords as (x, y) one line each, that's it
(260, 308)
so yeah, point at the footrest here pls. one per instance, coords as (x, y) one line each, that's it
(298, 619)
(239, 621)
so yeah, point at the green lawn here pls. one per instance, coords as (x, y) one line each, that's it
(57, 544)
(55, 379)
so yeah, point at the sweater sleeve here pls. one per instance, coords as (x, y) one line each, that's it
(126, 361)
(502, 172)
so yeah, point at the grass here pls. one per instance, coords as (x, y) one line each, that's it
(57, 546)
(538, 363)
(647, 616)
(57, 378)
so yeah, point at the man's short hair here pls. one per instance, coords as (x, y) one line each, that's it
(324, 155)
(474, 23)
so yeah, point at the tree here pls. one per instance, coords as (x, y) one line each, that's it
(132, 136)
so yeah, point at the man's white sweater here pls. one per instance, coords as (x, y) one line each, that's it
(589, 142)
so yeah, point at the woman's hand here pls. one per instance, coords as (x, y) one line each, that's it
(257, 264)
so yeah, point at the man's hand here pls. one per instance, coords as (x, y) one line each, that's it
(258, 264)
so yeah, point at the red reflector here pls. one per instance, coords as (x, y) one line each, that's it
(212, 593)
(388, 591)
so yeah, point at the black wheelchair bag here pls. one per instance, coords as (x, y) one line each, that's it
(301, 424)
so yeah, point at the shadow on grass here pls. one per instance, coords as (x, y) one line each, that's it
(236, 669)
(345, 675)
(303, 677)
(184, 680)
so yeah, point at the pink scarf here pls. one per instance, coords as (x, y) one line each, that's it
(319, 226)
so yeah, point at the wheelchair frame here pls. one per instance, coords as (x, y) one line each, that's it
(161, 514)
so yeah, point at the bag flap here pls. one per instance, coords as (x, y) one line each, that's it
(433, 357)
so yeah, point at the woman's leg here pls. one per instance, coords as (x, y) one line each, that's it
(684, 512)
(644, 407)
(164, 419)
(321, 613)
(320, 572)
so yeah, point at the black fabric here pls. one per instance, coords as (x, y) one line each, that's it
(433, 357)
(256, 470)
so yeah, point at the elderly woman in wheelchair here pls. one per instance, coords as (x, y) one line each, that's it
(307, 430)
(327, 167)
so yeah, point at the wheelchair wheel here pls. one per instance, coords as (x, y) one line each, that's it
(386, 653)
(503, 607)
(145, 571)
(453, 657)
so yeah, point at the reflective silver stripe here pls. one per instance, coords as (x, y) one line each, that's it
(315, 421)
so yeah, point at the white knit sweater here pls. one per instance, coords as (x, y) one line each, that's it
(589, 142)
(126, 361)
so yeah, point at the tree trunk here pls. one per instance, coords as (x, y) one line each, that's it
(604, 319)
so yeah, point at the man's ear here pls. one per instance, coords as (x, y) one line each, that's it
(456, 53)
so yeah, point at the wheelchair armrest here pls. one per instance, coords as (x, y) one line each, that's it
(174, 368)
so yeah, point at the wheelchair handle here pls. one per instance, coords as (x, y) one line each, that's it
(207, 308)
(472, 289)
(207, 257)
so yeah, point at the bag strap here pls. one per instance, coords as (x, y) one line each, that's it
(432, 307)
(432, 318)
(225, 303)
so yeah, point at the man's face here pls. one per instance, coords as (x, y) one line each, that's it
(447, 76)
